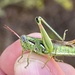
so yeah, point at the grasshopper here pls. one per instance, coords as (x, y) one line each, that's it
(45, 45)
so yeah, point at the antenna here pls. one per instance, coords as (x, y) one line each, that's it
(8, 28)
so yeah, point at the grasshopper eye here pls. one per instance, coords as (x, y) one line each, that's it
(23, 38)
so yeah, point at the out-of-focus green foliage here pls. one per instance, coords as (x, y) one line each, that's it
(2, 13)
(67, 4)
(39, 4)
(4, 3)
(26, 3)
(29, 4)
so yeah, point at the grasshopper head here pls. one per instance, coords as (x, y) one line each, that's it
(23, 40)
(27, 43)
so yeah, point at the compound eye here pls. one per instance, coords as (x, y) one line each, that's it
(23, 38)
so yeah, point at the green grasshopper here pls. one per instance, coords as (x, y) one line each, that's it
(45, 45)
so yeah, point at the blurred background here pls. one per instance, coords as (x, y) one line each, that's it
(20, 16)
